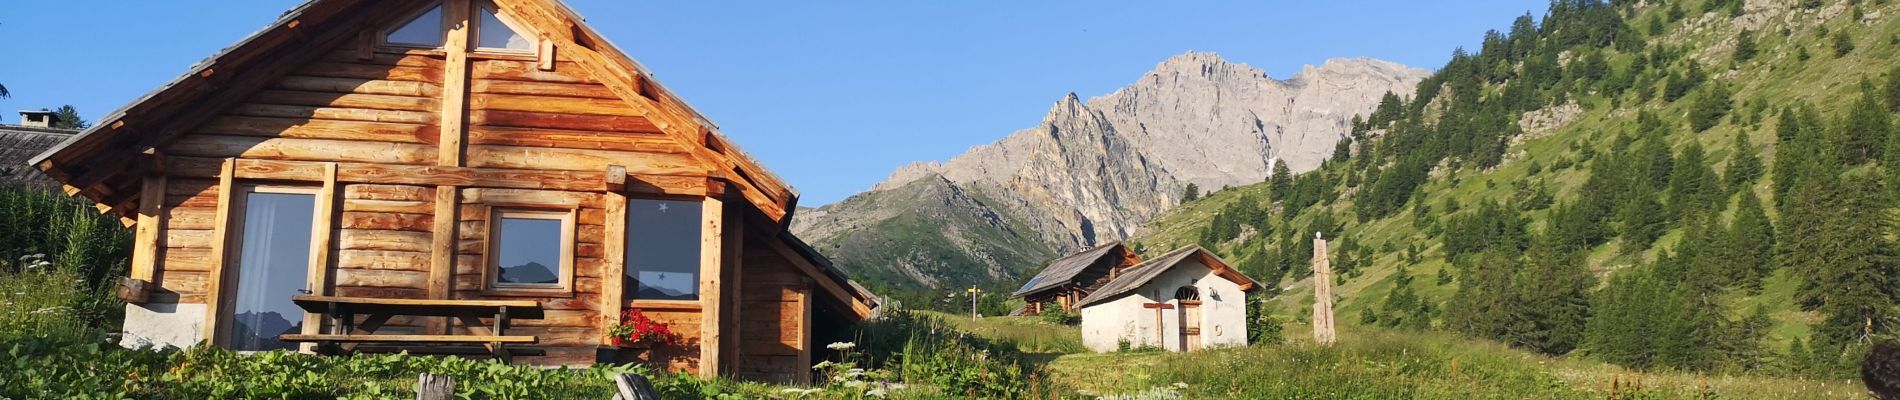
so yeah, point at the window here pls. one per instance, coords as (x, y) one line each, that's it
(494, 33)
(425, 30)
(273, 248)
(530, 251)
(663, 249)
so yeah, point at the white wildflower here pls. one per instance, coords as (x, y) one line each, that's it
(1182, 385)
(841, 346)
(854, 384)
(879, 392)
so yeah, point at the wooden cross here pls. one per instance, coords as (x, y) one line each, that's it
(1161, 338)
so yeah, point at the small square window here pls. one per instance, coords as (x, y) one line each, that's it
(530, 251)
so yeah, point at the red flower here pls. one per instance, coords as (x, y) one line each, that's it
(636, 328)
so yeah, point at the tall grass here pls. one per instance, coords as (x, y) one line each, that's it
(926, 351)
(59, 261)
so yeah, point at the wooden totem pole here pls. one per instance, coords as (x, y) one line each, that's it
(1322, 294)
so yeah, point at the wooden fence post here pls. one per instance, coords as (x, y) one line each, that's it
(435, 387)
(634, 387)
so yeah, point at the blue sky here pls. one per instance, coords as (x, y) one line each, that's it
(831, 95)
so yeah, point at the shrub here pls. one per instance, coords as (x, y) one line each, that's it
(928, 354)
(1055, 315)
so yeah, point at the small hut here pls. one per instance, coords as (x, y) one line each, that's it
(1185, 300)
(1069, 279)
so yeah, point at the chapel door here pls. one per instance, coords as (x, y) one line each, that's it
(1190, 300)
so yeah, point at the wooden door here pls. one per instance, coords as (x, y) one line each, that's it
(1191, 325)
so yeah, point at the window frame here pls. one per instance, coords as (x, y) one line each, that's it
(234, 243)
(382, 35)
(475, 30)
(630, 296)
(491, 270)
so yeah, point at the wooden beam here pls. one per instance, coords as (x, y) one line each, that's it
(613, 263)
(145, 244)
(546, 55)
(455, 84)
(711, 287)
(221, 238)
(732, 258)
(442, 241)
(843, 295)
(616, 178)
(423, 175)
(321, 243)
(804, 334)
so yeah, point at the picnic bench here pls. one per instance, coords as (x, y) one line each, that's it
(484, 338)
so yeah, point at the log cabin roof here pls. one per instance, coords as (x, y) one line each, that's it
(18, 144)
(1064, 270)
(100, 162)
(1147, 271)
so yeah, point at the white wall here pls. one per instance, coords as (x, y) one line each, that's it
(1223, 313)
(163, 324)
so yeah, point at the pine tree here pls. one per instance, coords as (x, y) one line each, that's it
(1892, 91)
(1552, 298)
(1192, 193)
(1744, 166)
(1745, 46)
(1640, 220)
(68, 118)
(1342, 150)
(1627, 317)
(1693, 186)
(1709, 108)
(1281, 183)
(1861, 135)
(1751, 242)
(1483, 303)
(1858, 265)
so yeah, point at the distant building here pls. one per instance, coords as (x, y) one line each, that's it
(19, 143)
(1185, 300)
(1065, 281)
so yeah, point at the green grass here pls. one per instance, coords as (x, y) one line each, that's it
(1030, 335)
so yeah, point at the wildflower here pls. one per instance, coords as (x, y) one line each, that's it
(1180, 385)
(841, 346)
(879, 392)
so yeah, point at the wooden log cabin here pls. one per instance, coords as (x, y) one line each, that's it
(1067, 280)
(452, 149)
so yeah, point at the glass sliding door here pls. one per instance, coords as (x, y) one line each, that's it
(272, 239)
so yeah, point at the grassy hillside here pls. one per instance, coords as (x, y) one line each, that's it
(1817, 54)
(1371, 364)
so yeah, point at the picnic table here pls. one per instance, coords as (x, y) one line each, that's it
(485, 338)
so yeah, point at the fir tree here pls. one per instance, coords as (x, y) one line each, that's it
(1751, 241)
(1281, 183)
(1861, 135)
(1744, 166)
(1709, 108)
(1640, 220)
(1551, 301)
(1192, 193)
(68, 118)
(1892, 91)
(1693, 187)
(1745, 46)
(1858, 266)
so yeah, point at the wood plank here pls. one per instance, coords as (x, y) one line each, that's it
(214, 282)
(333, 113)
(370, 71)
(294, 149)
(369, 101)
(389, 192)
(381, 278)
(320, 129)
(321, 242)
(187, 238)
(386, 59)
(552, 104)
(613, 262)
(145, 241)
(525, 197)
(383, 260)
(188, 259)
(586, 90)
(407, 338)
(523, 304)
(732, 244)
(386, 221)
(524, 119)
(386, 240)
(358, 86)
(710, 281)
(455, 87)
(838, 293)
(686, 185)
(558, 138)
(442, 242)
(517, 157)
(524, 71)
(389, 206)
(191, 218)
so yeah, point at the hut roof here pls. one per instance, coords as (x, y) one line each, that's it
(1141, 274)
(18, 144)
(1065, 269)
